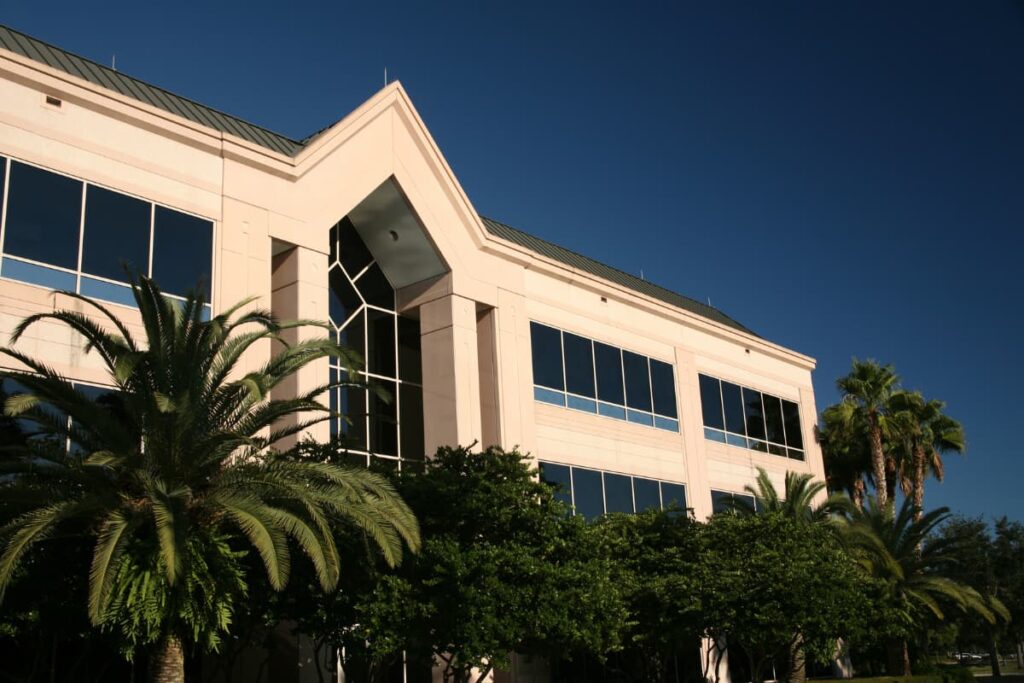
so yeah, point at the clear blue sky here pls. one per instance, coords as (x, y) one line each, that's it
(846, 178)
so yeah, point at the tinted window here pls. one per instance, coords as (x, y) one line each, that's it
(791, 415)
(409, 360)
(411, 399)
(720, 501)
(43, 216)
(609, 373)
(376, 289)
(383, 420)
(579, 365)
(618, 493)
(586, 487)
(673, 495)
(558, 476)
(755, 413)
(352, 405)
(547, 356)
(638, 381)
(380, 329)
(773, 418)
(116, 234)
(181, 252)
(648, 496)
(711, 402)
(3, 174)
(732, 398)
(663, 388)
(343, 298)
(352, 252)
(353, 335)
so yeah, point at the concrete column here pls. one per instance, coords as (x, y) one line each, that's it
(299, 291)
(514, 372)
(698, 488)
(451, 372)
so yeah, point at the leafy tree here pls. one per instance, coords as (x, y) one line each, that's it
(1008, 566)
(771, 581)
(925, 434)
(178, 473)
(900, 551)
(658, 570)
(503, 569)
(867, 389)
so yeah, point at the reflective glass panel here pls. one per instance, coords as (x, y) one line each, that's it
(647, 493)
(673, 495)
(546, 343)
(383, 420)
(3, 174)
(43, 216)
(116, 234)
(587, 492)
(410, 363)
(182, 249)
(376, 289)
(343, 300)
(579, 365)
(411, 411)
(732, 399)
(791, 416)
(380, 342)
(773, 418)
(638, 381)
(720, 501)
(353, 253)
(663, 388)
(558, 476)
(711, 402)
(618, 493)
(352, 406)
(755, 413)
(609, 373)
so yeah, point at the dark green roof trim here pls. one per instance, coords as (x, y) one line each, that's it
(105, 77)
(589, 265)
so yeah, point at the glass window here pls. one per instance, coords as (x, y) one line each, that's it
(773, 418)
(43, 216)
(353, 335)
(609, 373)
(647, 493)
(344, 300)
(638, 381)
(411, 411)
(116, 234)
(546, 343)
(383, 420)
(3, 174)
(663, 388)
(791, 416)
(410, 364)
(586, 487)
(720, 502)
(353, 254)
(333, 238)
(732, 399)
(673, 495)
(376, 289)
(559, 477)
(380, 342)
(352, 405)
(711, 402)
(755, 413)
(181, 252)
(618, 493)
(579, 365)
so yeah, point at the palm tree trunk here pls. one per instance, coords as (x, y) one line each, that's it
(858, 493)
(906, 659)
(170, 662)
(993, 653)
(878, 460)
(918, 482)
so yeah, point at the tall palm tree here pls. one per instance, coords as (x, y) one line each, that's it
(867, 388)
(845, 451)
(927, 433)
(900, 550)
(177, 473)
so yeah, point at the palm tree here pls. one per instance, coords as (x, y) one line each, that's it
(845, 451)
(798, 502)
(867, 388)
(177, 473)
(899, 549)
(926, 433)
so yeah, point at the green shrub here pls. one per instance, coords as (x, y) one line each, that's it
(956, 674)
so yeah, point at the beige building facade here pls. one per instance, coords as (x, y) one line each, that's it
(630, 395)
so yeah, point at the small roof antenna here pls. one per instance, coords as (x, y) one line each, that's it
(709, 303)
(385, 77)
(113, 62)
(642, 274)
